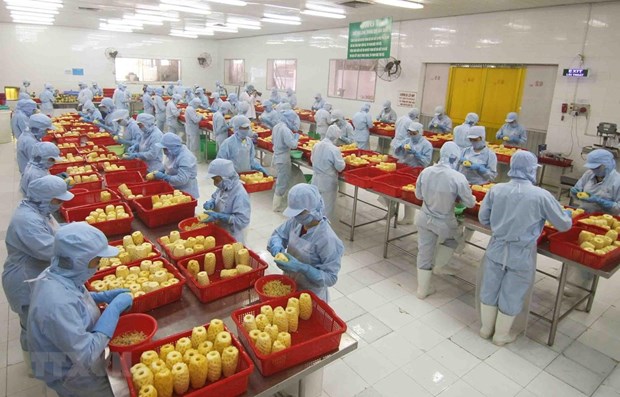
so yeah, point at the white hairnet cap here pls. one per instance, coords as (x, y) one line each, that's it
(41, 122)
(449, 153)
(512, 116)
(44, 151)
(119, 114)
(477, 131)
(241, 121)
(415, 126)
(195, 102)
(82, 241)
(523, 165)
(47, 188)
(303, 197)
(333, 132)
(337, 115)
(225, 106)
(169, 140)
(472, 118)
(146, 119)
(387, 104)
(599, 157)
(221, 167)
(414, 113)
(439, 110)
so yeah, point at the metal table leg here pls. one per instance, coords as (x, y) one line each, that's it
(395, 216)
(592, 293)
(354, 213)
(542, 174)
(558, 305)
(386, 240)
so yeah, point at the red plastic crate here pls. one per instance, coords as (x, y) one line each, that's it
(130, 165)
(73, 150)
(392, 184)
(96, 185)
(109, 228)
(261, 143)
(189, 222)
(157, 255)
(103, 141)
(315, 337)
(219, 288)
(68, 139)
(566, 245)
(474, 210)
(222, 237)
(411, 197)
(257, 187)
(438, 144)
(163, 216)
(62, 167)
(88, 198)
(410, 171)
(154, 299)
(591, 228)
(362, 177)
(232, 386)
(503, 158)
(146, 189)
(553, 161)
(114, 179)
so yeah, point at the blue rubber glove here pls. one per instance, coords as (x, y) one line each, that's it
(69, 186)
(129, 156)
(132, 148)
(293, 265)
(218, 216)
(209, 205)
(574, 191)
(606, 204)
(107, 296)
(569, 213)
(275, 249)
(479, 168)
(62, 175)
(260, 169)
(346, 140)
(161, 175)
(109, 318)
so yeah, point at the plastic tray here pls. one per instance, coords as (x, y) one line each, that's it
(257, 187)
(163, 216)
(503, 158)
(115, 179)
(232, 386)
(62, 167)
(473, 210)
(146, 189)
(73, 150)
(105, 141)
(188, 222)
(410, 171)
(411, 197)
(260, 283)
(554, 161)
(362, 177)
(261, 143)
(69, 139)
(96, 185)
(115, 243)
(154, 299)
(222, 237)
(134, 322)
(109, 228)
(565, 245)
(315, 337)
(392, 184)
(591, 228)
(88, 198)
(130, 165)
(219, 288)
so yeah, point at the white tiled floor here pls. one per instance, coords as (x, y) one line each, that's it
(407, 347)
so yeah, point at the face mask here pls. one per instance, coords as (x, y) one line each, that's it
(123, 123)
(453, 162)
(49, 163)
(478, 145)
(600, 171)
(304, 219)
(243, 133)
(49, 208)
(416, 138)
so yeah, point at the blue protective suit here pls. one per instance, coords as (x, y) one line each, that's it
(182, 170)
(401, 133)
(291, 97)
(220, 128)
(215, 105)
(517, 136)
(121, 98)
(387, 115)
(318, 102)
(419, 155)
(608, 188)
(460, 135)
(231, 198)
(327, 162)
(251, 101)
(322, 118)
(96, 90)
(240, 151)
(192, 127)
(362, 122)
(516, 213)
(43, 157)
(25, 145)
(485, 157)
(90, 113)
(440, 186)
(148, 150)
(441, 124)
(172, 117)
(84, 96)
(148, 103)
(283, 139)
(19, 120)
(131, 135)
(270, 117)
(47, 100)
(160, 110)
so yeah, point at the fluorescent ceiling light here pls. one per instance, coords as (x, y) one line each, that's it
(34, 4)
(323, 14)
(324, 8)
(28, 9)
(28, 21)
(279, 16)
(123, 22)
(249, 27)
(226, 29)
(242, 21)
(152, 18)
(189, 10)
(33, 17)
(280, 21)
(185, 35)
(120, 27)
(200, 31)
(115, 28)
(229, 2)
(401, 3)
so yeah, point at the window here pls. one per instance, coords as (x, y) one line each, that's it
(234, 71)
(147, 70)
(281, 73)
(352, 79)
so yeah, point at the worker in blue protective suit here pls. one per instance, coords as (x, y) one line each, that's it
(204, 100)
(179, 89)
(249, 96)
(47, 99)
(147, 149)
(29, 243)
(44, 155)
(387, 115)
(160, 108)
(516, 213)
(220, 90)
(322, 118)
(188, 94)
(327, 163)
(170, 90)
(346, 129)
(38, 125)
(282, 106)
(148, 102)
(215, 105)
(362, 122)
(84, 95)
(461, 132)
(318, 102)
(313, 249)
(180, 168)
(512, 133)
(67, 333)
(285, 136)
(292, 98)
(440, 187)
(234, 102)
(121, 97)
(242, 109)
(601, 181)
(220, 125)
(192, 127)
(19, 120)
(416, 151)
(275, 97)
(229, 206)
(440, 123)
(239, 148)
(90, 113)
(269, 117)
(131, 131)
(172, 116)
(401, 128)
(23, 90)
(108, 109)
(478, 163)
(96, 90)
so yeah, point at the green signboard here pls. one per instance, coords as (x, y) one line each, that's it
(370, 39)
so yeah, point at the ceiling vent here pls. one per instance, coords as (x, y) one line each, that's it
(356, 3)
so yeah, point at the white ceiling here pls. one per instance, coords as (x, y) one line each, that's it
(87, 13)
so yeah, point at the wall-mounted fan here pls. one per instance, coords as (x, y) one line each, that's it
(111, 53)
(388, 69)
(205, 60)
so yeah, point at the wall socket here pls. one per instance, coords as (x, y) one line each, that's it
(579, 109)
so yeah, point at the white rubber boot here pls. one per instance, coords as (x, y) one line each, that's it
(28, 362)
(443, 255)
(424, 283)
(488, 316)
(278, 203)
(502, 329)
(408, 217)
